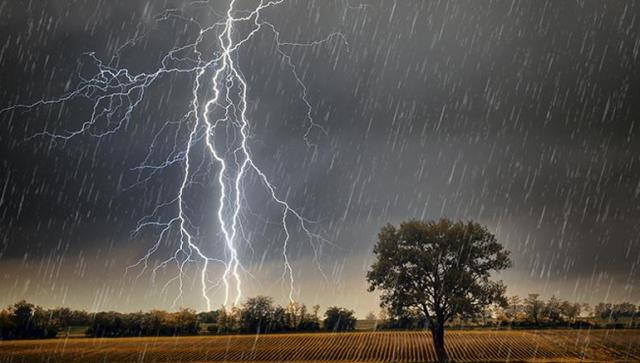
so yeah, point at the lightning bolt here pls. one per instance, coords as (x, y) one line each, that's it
(115, 93)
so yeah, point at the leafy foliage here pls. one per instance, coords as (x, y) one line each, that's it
(339, 319)
(439, 269)
(153, 323)
(534, 308)
(27, 321)
(260, 315)
(614, 312)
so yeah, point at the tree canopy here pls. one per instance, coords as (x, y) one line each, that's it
(339, 319)
(441, 269)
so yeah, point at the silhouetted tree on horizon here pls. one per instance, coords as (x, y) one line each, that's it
(440, 269)
(339, 319)
(534, 307)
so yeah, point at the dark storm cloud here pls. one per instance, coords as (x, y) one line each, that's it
(522, 115)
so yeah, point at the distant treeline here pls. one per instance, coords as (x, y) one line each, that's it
(531, 312)
(260, 315)
(27, 321)
(257, 315)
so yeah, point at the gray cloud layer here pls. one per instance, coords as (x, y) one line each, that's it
(521, 115)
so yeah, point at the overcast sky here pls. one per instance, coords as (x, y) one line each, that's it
(521, 115)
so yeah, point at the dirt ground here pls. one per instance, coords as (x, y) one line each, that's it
(463, 346)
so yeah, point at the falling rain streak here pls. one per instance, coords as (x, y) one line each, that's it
(157, 156)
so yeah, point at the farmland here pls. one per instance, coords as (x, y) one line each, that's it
(463, 346)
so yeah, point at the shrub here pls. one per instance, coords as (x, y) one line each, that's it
(339, 319)
(27, 321)
(153, 323)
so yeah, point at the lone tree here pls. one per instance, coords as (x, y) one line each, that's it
(439, 270)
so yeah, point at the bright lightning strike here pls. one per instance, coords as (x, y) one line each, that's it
(218, 103)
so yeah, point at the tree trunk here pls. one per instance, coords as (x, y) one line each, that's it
(437, 332)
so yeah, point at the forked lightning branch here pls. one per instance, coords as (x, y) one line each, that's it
(115, 93)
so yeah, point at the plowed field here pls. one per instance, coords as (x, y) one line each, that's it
(463, 346)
